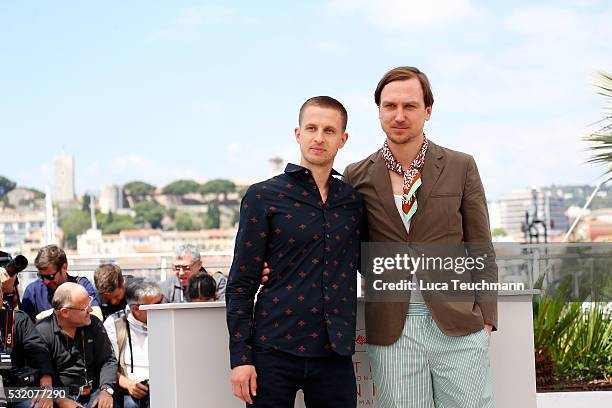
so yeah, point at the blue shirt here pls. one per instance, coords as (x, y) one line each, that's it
(37, 297)
(308, 307)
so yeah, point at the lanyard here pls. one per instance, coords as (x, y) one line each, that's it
(84, 353)
(8, 336)
(129, 335)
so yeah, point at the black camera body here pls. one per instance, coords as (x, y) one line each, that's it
(13, 265)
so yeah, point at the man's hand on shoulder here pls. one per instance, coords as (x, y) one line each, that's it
(265, 273)
(244, 382)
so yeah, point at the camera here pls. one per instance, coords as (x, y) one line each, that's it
(13, 265)
(15, 376)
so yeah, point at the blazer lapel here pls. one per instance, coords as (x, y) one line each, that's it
(382, 185)
(434, 163)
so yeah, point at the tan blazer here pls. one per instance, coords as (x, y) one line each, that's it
(451, 207)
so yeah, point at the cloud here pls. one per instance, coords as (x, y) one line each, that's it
(406, 14)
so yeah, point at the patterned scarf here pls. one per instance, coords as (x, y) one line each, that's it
(412, 177)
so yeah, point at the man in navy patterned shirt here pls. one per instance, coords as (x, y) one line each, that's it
(306, 224)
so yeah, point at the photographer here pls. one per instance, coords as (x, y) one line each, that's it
(127, 331)
(82, 355)
(29, 357)
(9, 268)
(52, 266)
(110, 284)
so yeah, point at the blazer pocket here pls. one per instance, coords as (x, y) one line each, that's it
(445, 194)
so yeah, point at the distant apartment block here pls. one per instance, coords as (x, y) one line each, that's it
(551, 210)
(19, 229)
(63, 179)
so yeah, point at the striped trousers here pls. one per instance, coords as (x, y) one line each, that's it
(425, 368)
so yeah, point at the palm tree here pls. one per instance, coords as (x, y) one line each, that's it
(602, 138)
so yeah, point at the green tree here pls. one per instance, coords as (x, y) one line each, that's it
(6, 185)
(86, 202)
(219, 186)
(119, 224)
(73, 222)
(212, 217)
(113, 223)
(151, 213)
(137, 191)
(184, 222)
(37, 193)
(242, 191)
(181, 187)
(499, 232)
(602, 138)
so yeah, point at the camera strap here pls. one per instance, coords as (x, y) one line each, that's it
(9, 330)
(129, 336)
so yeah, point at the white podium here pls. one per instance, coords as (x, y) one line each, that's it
(189, 358)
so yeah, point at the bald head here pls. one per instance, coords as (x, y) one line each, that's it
(65, 293)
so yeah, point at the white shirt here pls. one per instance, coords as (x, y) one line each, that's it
(140, 345)
(415, 296)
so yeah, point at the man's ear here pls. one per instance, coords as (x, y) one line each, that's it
(428, 112)
(343, 141)
(298, 135)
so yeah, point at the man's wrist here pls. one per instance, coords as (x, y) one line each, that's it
(108, 388)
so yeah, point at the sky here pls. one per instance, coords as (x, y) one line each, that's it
(165, 90)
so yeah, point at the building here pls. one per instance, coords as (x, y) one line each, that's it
(25, 198)
(596, 226)
(550, 207)
(111, 199)
(154, 240)
(63, 179)
(18, 227)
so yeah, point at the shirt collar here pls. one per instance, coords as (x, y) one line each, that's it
(57, 329)
(295, 169)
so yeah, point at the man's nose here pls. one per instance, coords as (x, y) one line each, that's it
(400, 115)
(319, 137)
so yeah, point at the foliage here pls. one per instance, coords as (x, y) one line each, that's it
(114, 223)
(586, 350)
(212, 217)
(73, 222)
(86, 202)
(577, 340)
(150, 213)
(602, 138)
(138, 189)
(218, 186)
(184, 222)
(6, 185)
(499, 232)
(181, 187)
(242, 191)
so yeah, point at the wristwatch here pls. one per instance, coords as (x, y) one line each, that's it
(108, 389)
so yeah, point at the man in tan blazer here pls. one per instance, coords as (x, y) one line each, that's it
(425, 353)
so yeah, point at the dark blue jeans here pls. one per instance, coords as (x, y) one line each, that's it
(327, 382)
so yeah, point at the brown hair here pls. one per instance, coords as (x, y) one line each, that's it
(108, 277)
(325, 102)
(50, 255)
(403, 74)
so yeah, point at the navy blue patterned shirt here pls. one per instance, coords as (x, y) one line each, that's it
(308, 307)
